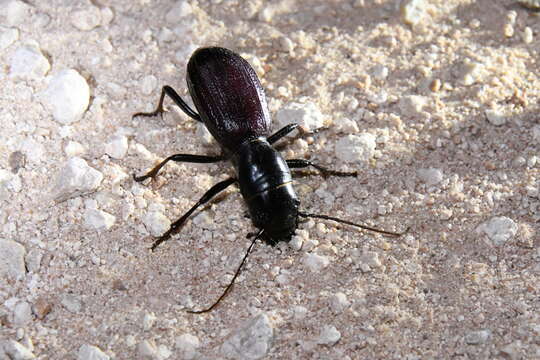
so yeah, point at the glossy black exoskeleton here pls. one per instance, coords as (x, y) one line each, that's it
(231, 103)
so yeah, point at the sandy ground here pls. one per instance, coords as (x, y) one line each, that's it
(452, 101)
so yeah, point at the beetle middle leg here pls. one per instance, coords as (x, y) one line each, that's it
(200, 159)
(178, 224)
(302, 163)
(167, 90)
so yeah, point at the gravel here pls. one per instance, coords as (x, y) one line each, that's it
(434, 104)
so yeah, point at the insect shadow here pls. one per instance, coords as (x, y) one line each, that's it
(231, 103)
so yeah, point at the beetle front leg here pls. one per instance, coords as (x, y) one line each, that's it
(167, 90)
(200, 159)
(302, 163)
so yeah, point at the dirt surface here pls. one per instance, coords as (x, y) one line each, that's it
(451, 96)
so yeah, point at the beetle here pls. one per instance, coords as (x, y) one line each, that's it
(231, 103)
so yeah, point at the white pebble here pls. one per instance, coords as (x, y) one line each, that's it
(7, 37)
(412, 105)
(339, 302)
(12, 260)
(89, 352)
(13, 12)
(68, 96)
(307, 115)
(117, 147)
(148, 84)
(15, 351)
(355, 148)
(156, 222)
(413, 11)
(314, 262)
(300, 312)
(347, 125)
(148, 321)
(98, 220)
(371, 259)
(496, 117)
(431, 176)
(74, 148)
(28, 63)
(76, 178)
(329, 336)
(477, 337)
(72, 303)
(22, 314)
(86, 19)
(527, 35)
(251, 341)
(296, 243)
(500, 229)
(379, 72)
(187, 346)
(178, 11)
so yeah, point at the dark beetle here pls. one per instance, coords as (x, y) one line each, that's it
(231, 103)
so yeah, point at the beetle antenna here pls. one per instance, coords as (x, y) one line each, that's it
(257, 236)
(361, 226)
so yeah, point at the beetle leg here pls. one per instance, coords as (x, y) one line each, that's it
(200, 159)
(281, 133)
(178, 224)
(302, 163)
(287, 129)
(167, 90)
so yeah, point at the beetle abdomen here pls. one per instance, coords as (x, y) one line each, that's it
(228, 95)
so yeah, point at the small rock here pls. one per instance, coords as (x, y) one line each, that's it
(75, 179)
(87, 18)
(314, 262)
(68, 96)
(98, 220)
(178, 11)
(22, 314)
(71, 303)
(28, 63)
(156, 222)
(12, 260)
(339, 302)
(17, 160)
(42, 307)
(495, 117)
(430, 176)
(148, 84)
(15, 351)
(412, 105)
(500, 229)
(478, 337)
(329, 336)
(355, 148)
(413, 11)
(74, 148)
(148, 350)
(148, 321)
(117, 147)
(13, 12)
(8, 36)
(379, 72)
(251, 341)
(89, 352)
(187, 346)
(307, 115)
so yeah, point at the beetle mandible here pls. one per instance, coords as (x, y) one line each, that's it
(232, 105)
